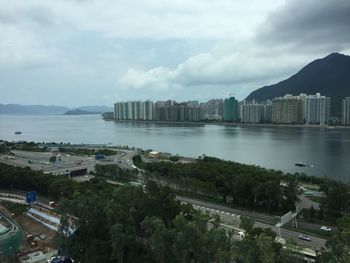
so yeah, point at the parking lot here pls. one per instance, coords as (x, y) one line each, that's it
(41, 161)
(66, 163)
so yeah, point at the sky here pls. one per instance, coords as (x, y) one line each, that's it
(98, 52)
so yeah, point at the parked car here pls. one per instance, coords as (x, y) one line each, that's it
(241, 234)
(305, 238)
(325, 228)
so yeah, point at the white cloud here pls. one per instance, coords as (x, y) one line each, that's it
(239, 70)
(23, 49)
(156, 78)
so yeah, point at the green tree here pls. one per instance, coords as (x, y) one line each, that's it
(312, 213)
(247, 223)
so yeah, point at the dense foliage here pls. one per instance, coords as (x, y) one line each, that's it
(115, 172)
(338, 247)
(25, 179)
(337, 199)
(14, 208)
(24, 146)
(242, 185)
(127, 224)
(83, 151)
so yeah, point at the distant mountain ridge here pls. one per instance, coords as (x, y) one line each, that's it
(80, 112)
(329, 76)
(44, 109)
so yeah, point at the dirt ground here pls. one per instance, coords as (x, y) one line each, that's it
(31, 227)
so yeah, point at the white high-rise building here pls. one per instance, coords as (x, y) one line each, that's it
(133, 110)
(251, 112)
(148, 108)
(317, 109)
(346, 111)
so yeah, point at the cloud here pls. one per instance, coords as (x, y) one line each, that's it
(291, 36)
(308, 25)
(154, 48)
(210, 69)
(22, 49)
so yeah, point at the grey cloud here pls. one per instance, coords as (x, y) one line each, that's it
(38, 16)
(310, 24)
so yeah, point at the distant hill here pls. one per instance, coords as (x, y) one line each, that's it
(99, 109)
(80, 112)
(52, 109)
(329, 76)
(31, 109)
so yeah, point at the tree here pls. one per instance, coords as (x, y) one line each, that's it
(338, 246)
(247, 223)
(174, 158)
(312, 213)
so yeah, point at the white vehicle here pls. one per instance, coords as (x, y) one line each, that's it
(241, 234)
(325, 228)
(305, 238)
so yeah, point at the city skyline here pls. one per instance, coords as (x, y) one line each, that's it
(288, 109)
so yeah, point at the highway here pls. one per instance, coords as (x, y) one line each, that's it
(231, 216)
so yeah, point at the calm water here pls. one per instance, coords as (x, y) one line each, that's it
(272, 147)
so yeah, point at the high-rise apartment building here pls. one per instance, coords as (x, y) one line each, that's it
(317, 109)
(231, 112)
(133, 110)
(148, 110)
(173, 111)
(289, 109)
(251, 112)
(346, 111)
(267, 111)
(212, 110)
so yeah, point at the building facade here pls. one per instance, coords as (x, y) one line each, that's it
(212, 110)
(317, 109)
(231, 112)
(133, 110)
(289, 109)
(173, 111)
(346, 111)
(267, 111)
(251, 112)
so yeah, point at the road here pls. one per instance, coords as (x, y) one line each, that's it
(231, 216)
(7, 222)
(40, 161)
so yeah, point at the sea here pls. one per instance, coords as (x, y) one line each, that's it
(325, 150)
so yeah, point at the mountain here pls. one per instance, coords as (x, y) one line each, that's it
(52, 109)
(99, 109)
(329, 76)
(31, 109)
(80, 112)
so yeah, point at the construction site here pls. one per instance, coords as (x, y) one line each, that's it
(27, 237)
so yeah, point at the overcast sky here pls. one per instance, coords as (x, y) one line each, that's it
(97, 52)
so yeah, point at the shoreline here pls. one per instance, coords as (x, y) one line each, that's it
(253, 125)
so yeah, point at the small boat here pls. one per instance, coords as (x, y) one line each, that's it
(18, 132)
(300, 164)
